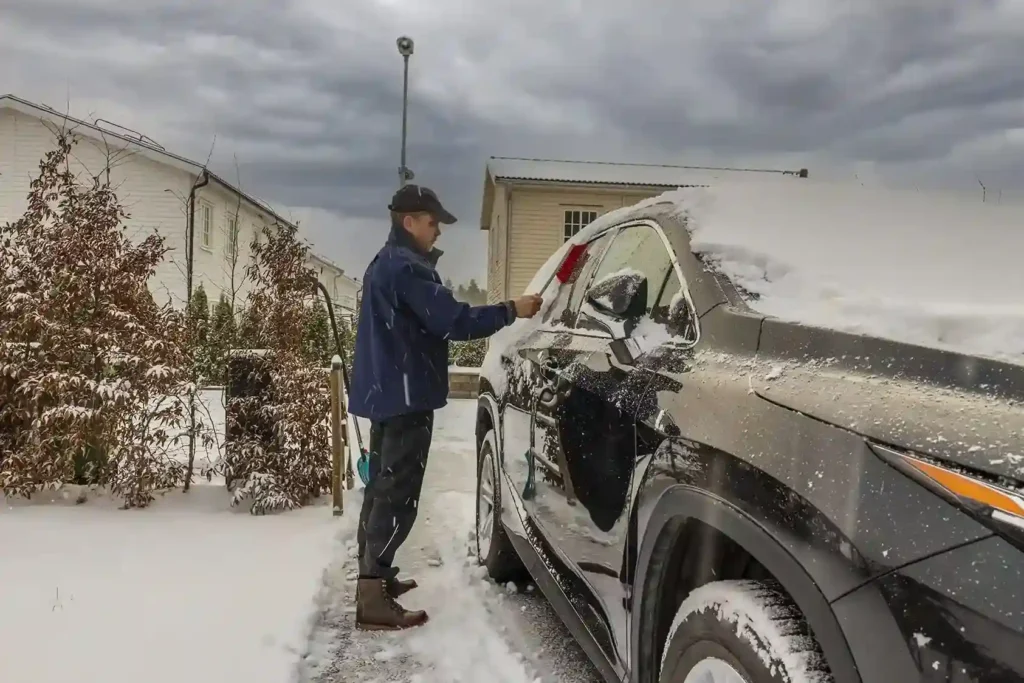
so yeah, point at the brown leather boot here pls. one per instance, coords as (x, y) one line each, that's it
(398, 587)
(376, 609)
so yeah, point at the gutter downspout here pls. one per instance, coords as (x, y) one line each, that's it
(190, 254)
(190, 247)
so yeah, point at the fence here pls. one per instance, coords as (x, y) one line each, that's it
(463, 382)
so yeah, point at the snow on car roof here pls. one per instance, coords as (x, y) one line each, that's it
(935, 269)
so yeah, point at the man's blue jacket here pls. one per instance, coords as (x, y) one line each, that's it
(406, 320)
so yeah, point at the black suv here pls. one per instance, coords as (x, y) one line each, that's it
(707, 494)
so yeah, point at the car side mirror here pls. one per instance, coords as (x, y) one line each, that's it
(621, 295)
(615, 304)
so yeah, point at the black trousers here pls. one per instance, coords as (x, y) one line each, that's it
(398, 460)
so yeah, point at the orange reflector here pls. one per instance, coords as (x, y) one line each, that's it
(967, 487)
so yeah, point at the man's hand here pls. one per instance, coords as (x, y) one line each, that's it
(527, 306)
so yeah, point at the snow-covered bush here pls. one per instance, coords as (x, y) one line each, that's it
(468, 354)
(318, 339)
(294, 465)
(87, 355)
(198, 323)
(223, 338)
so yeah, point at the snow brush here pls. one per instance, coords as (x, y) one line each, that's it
(363, 462)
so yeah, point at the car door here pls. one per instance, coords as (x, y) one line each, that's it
(528, 375)
(584, 425)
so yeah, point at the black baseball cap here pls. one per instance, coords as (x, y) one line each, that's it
(416, 199)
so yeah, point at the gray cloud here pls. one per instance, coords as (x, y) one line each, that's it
(306, 94)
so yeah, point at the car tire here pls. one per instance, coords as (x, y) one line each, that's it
(741, 632)
(494, 549)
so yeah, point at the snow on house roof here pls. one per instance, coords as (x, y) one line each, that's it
(608, 173)
(602, 173)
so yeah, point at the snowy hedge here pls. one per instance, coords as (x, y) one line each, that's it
(99, 383)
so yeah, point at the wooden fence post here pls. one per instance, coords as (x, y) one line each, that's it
(346, 436)
(337, 437)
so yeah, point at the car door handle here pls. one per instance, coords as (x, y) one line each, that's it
(555, 388)
(549, 369)
(550, 398)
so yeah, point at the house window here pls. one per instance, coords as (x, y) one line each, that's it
(206, 225)
(576, 220)
(232, 243)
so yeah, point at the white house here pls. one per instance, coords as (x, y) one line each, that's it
(162, 192)
(343, 290)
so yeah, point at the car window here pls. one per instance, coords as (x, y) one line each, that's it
(667, 312)
(566, 297)
(579, 286)
(639, 248)
(670, 289)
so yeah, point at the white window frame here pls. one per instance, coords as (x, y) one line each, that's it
(576, 218)
(206, 225)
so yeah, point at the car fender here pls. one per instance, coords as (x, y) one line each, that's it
(678, 503)
(486, 401)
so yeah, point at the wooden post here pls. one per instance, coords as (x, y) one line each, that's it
(337, 440)
(346, 441)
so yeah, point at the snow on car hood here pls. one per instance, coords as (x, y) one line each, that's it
(936, 269)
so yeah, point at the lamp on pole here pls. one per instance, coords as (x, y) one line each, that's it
(405, 48)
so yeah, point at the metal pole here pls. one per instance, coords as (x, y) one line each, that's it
(403, 175)
(340, 349)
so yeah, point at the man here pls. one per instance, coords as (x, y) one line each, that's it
(400, 378)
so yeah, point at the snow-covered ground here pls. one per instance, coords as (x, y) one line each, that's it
(478, 631)
(188, 590)
(192, 590)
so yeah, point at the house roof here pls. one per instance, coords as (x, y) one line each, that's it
(139, 143)
(331, 264)
(601, 174)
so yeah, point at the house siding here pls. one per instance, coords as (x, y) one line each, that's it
(496, 248)
(343, 290)
(538, 220)
(219, 271)
(151, 193)
(155, 197)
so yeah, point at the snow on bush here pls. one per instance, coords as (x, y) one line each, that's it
(467, 354)
(292, 466)
(86, 353)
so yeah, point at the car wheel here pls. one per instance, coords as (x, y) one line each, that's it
(741, 632)
(493, 548)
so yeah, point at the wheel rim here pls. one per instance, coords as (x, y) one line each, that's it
(713, 670)
(485, 508)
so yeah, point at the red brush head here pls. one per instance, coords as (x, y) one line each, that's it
(570, 262)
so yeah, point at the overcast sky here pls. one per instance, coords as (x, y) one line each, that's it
(307, 93)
